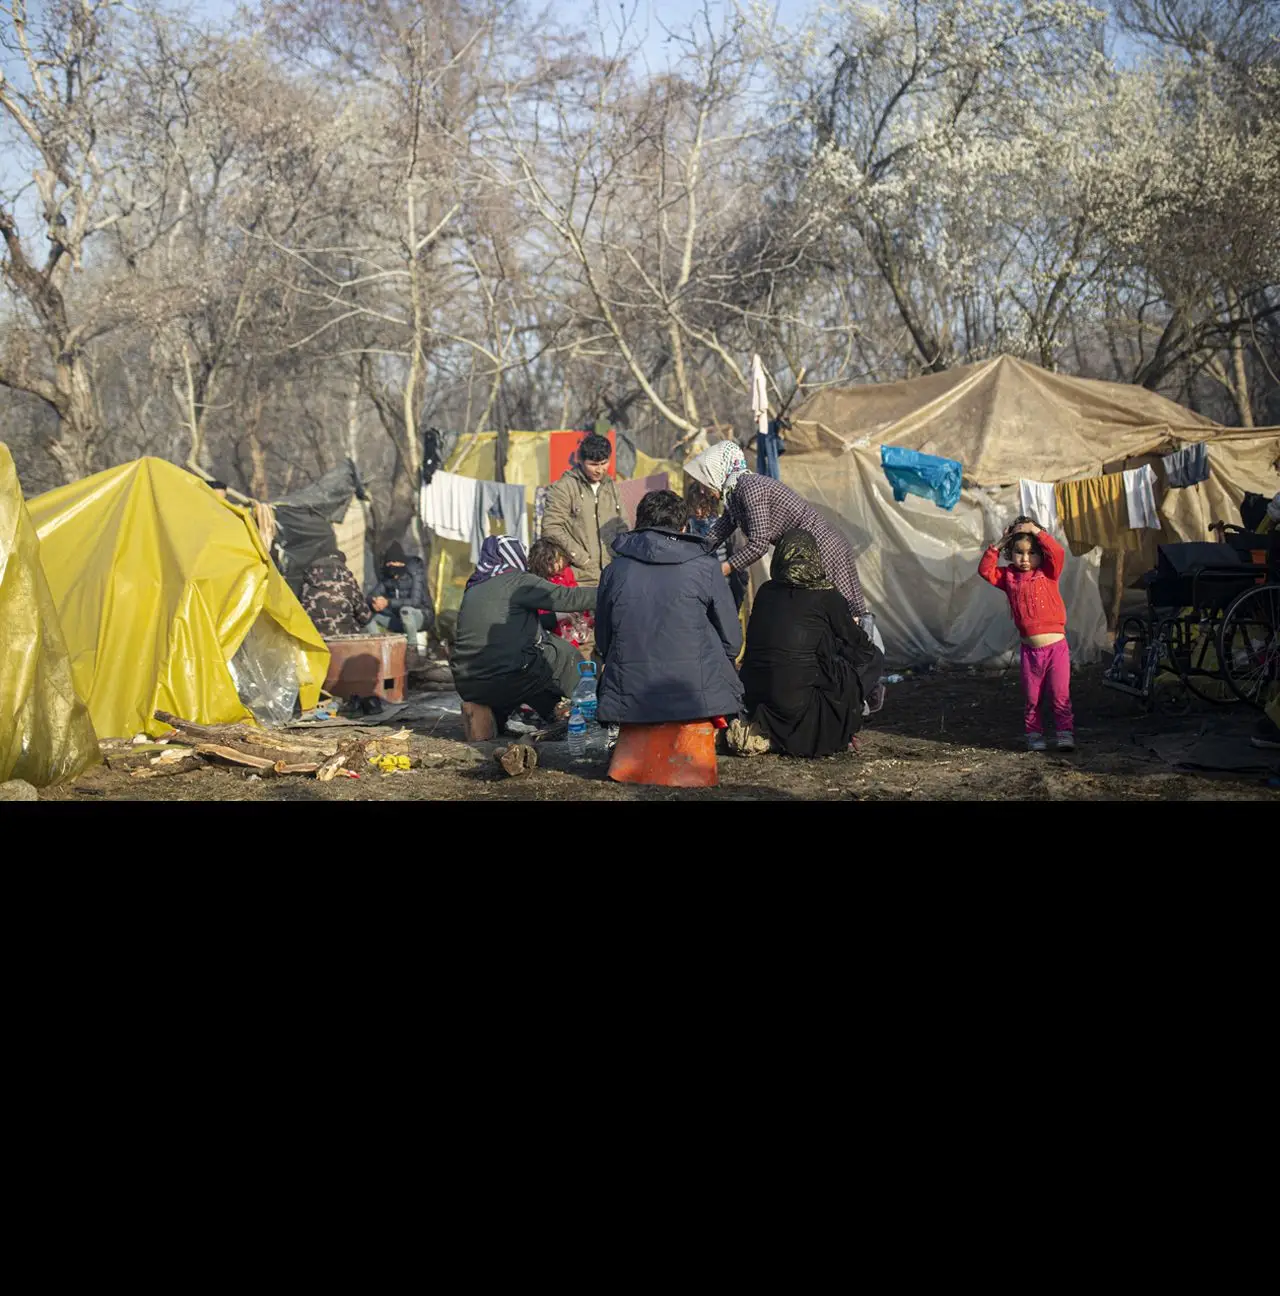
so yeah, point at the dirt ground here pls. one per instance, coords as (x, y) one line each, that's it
(943, 737)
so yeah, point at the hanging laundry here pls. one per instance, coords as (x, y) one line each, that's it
(432, 454)
(1188, 466)
(912, 473)
(1094, 511)
(1140, 496)
(540, 494)
(768, 448)
(448, 506)
(505, 502)
(1037, 500)
(759, 396)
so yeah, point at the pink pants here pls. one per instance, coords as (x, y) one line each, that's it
(1048, 669)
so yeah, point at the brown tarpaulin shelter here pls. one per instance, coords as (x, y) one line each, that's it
(1004, 420)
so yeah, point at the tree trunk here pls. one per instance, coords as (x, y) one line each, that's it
(78, 429)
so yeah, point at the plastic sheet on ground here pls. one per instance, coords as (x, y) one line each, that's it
(46, 736)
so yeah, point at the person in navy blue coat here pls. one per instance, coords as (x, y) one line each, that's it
(666, 624)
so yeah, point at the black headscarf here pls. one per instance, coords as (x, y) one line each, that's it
(797, 562)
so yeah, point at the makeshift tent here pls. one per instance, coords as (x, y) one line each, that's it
(305, 523)
(1004, 420)
(169, 601)
(530, 456)
(45, 733)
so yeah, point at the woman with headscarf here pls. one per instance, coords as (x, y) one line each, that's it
(764, 510)
(500, 656)
(808, 666)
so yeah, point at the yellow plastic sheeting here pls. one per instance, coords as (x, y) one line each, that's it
(528, 465)
(158, 582)
(648, 466)
(45, 733)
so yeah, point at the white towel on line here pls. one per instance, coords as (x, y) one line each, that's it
(1037, 500)
(448, 506)
(1140, 495)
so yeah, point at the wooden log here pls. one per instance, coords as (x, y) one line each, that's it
(520, 758)
(235, 735)
(350, 755)
(330, 769)
(163, 769)
(478, 724)
(234, 756)
(1117, 597)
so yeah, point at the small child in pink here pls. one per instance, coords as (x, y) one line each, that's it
(1031, 584)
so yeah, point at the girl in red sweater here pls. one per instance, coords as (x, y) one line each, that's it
(1030, 582)
(550, 562)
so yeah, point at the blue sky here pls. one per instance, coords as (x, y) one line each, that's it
(651, 15)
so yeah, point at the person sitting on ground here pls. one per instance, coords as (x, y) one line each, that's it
(332, 599)
(666, 627)
(400, 602)
(764, 510)
(1030, 582)
(549, 561)
(584, 511)
(808, 667)
(500, 656)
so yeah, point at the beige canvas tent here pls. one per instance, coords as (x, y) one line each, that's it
(1003, 420)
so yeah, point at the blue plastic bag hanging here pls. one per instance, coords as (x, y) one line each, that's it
(912, 473)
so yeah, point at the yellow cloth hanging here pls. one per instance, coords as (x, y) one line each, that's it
(1093, 511)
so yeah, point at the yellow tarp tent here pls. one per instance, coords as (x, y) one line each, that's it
(158, 584)
(45, 733)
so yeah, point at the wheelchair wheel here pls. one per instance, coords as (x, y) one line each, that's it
(1191, 651)
(1166, 692)
(1249, 643)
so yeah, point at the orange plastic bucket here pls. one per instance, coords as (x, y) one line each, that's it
(666, 755)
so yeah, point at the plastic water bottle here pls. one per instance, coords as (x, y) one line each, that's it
(584, 696)
(577, 734)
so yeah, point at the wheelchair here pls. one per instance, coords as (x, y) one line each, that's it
(1212, 626)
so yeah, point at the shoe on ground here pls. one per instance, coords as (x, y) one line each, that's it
(1036, 742)
(1266, 737)
(1066, 742)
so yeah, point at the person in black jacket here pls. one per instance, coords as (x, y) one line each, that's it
(666, 626)
(500, 656)
(808, 665)
(400, 602)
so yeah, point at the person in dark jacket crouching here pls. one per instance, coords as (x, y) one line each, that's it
(500, 656)
(666, 626)
(400, 602)
(808, 665)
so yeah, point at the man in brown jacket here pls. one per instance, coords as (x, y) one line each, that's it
(584, 511)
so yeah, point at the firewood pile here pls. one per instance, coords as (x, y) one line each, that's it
(251, 751)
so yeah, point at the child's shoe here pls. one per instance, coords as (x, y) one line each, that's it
(1066, 742)
(1036, 742)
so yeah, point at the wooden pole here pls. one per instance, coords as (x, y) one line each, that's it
(1117, 596)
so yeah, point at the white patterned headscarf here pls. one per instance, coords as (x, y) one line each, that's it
(718, 467)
